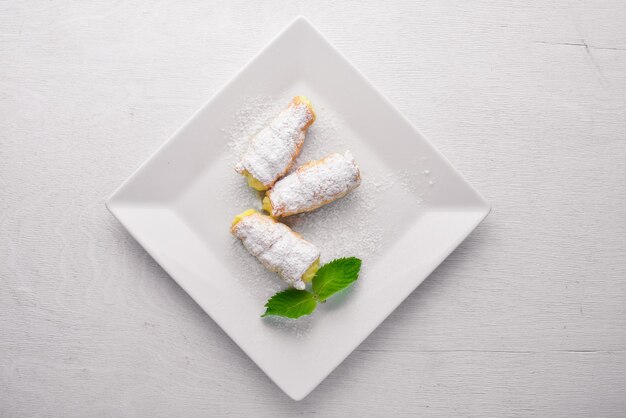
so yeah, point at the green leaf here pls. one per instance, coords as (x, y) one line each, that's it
(291, 303)
(335, 276)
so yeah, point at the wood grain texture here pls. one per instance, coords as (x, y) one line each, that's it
(526, 318)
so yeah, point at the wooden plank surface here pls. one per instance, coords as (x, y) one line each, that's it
(526, 318)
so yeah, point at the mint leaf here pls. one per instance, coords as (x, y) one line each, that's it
(335, 276)
(291, 303)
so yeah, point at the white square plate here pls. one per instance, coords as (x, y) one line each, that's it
(412, 206)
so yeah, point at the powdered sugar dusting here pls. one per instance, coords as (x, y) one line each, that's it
(277, 247)
(255, 114)
(347, 226)
(272, 151)
(260, 283)
(353, 225)
(315, 184)
(364, 223)
(323, 137)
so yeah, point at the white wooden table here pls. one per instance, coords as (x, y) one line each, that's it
(527, 317)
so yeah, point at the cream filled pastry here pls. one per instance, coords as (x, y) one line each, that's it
(277, 247)
(273, 150)
(313, 185)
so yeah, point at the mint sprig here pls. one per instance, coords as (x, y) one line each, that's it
(335, 276)
(291, 303)
(331, 278)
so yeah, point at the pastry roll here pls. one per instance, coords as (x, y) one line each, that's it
(313, 185)
(273, 150)
(277, 247)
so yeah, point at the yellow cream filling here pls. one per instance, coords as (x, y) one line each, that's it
(267, 205)
(307, 102)
(311, 271)
(254, 183)
(242, 215)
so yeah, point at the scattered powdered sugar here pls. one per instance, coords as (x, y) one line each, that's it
(272, 151)
(315, 184)
(277, 247)
(299, 329)
(344, 228)
(260, 283)
(322, 137)
(368, 219)
(253, 116)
